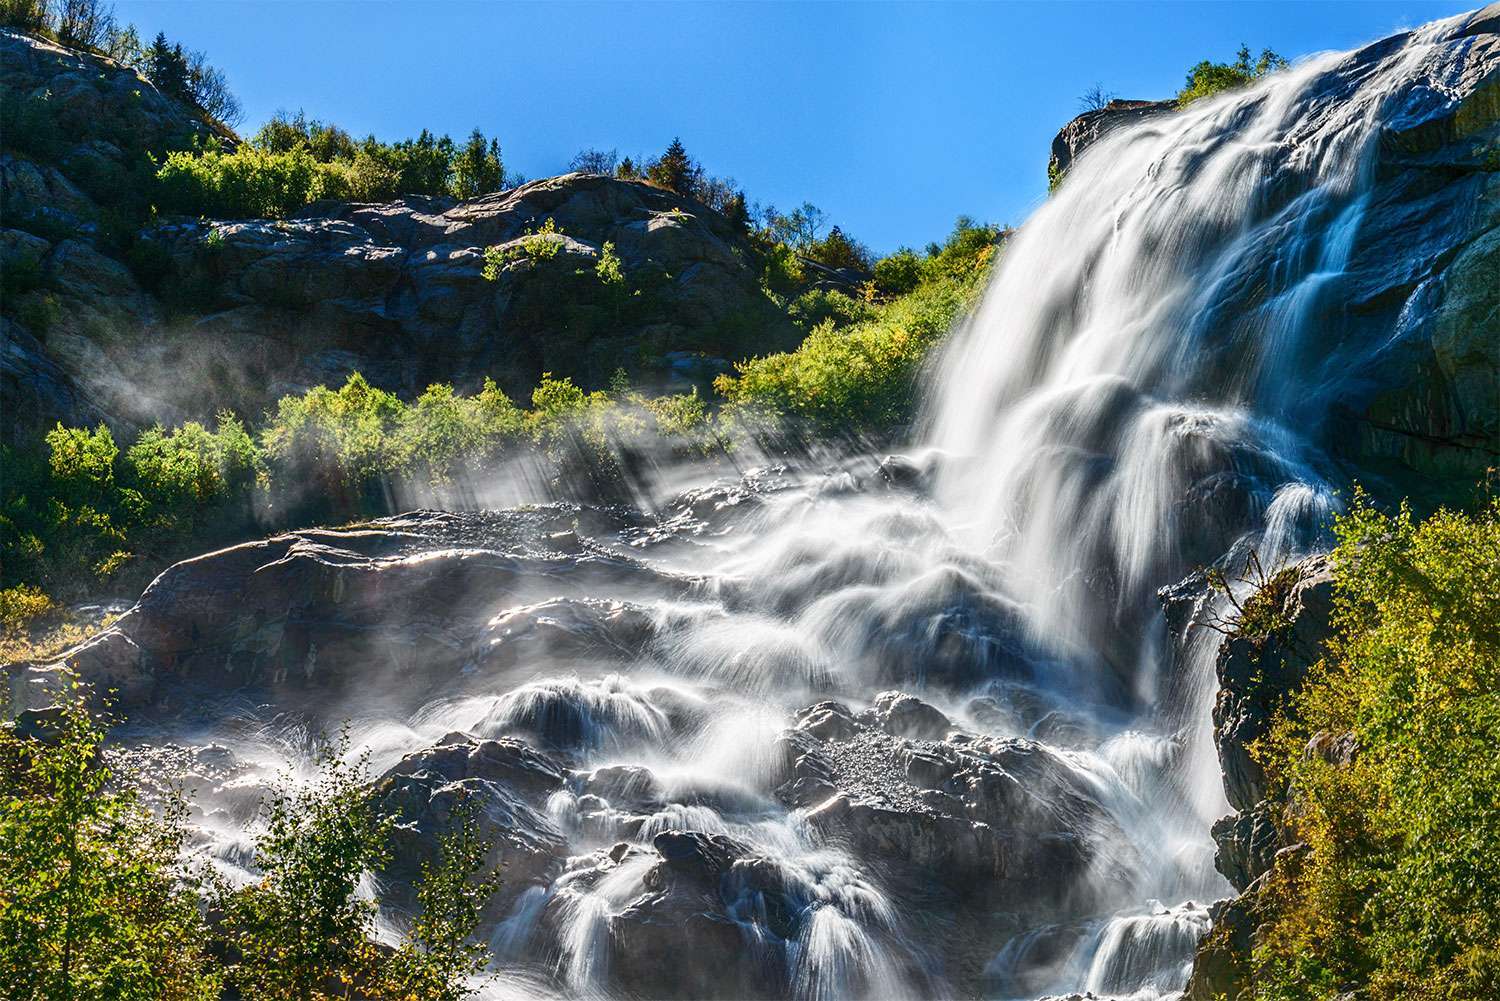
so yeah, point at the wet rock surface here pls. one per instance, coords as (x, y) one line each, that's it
(1004, 819)
(366, 608)
(503, 783)
(1259, 671)
(1260, 668)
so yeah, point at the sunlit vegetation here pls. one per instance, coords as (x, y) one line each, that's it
(1397, 887)
(98, 899)
(90, 25)
(861, 377)
(1208, 78)
(292, 161)
(84, 512)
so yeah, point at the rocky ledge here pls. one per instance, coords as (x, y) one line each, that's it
(177, 320)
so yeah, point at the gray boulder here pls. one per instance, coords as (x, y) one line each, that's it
(503, 784)
(1005, 823)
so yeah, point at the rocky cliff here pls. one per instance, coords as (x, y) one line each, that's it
(1422, 406)
(1085, 130)
(171, 321)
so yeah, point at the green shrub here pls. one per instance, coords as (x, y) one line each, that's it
(96, 903)
(247, 183)
(898, 273)
(537, 245)
(93, 904)
(21, 605)
(818, 306)
(1209, 78)
(445, 434)
(338, 442)
(1398, 890)
(863, 378)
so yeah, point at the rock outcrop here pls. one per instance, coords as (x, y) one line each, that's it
(1085, 130)
(502, 784)
(326, 613)
(1260, 667)
(183, 318)
(1415, 364)
(1005, 819)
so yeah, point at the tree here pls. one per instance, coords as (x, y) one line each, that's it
(477, 168)
(85, 23)
(439, 955)
(92, 904)
(167, 67)
(302, 923)
(26, 15)
(124, 45)
(735, 210)
(1096, 98)
(675, 170)
(800, 229)
(838, 251)
(1209, 78)
(627, 170)
(595, 161)
(209, 90)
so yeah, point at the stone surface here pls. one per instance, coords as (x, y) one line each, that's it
(1258, 673)
(1006, 821)
(1085, 130)
(242, 312)
(503, 782)
(332, 612)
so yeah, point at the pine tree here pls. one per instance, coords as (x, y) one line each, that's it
(477, 168)
(737, 212)
(167, 66)
(675, 170)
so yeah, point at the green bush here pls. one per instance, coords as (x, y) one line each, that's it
(445, 434)
(92, 898)
(339, 442)
(247, 183)
(898, 273)
(1398, 890)
(1209, 78)
(863, 378)
(96, 903)
(817, 306)
(21, 605)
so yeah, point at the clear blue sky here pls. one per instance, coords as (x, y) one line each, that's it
(892, 117)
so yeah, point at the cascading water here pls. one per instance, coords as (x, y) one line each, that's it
(1140, 391)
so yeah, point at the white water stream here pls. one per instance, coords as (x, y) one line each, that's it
(1139, 392)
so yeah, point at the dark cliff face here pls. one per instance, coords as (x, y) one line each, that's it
(102, 321)
(1085, 130)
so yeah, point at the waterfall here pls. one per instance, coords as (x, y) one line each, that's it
(1144, 388)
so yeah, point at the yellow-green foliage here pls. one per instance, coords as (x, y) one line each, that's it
(537, 245)
(291, 162)
(1399, 890)
(1209, 78)
(96, 903)
(247, 183)
(21, 605)
(863, 377)
(91, 903)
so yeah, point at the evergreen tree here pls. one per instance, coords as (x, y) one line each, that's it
(627, 170)
(737, 212)
(167, 66)
(477, 168)
(675, 170)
